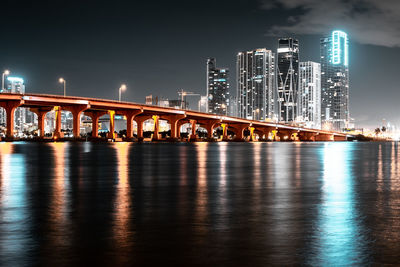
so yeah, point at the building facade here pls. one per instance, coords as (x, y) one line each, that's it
(309, 95)
(256, 84)
(217, 88)
(287, 79)
(334, 52)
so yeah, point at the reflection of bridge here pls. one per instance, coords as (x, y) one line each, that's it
(95, 108)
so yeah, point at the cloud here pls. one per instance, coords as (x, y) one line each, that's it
(375, 22)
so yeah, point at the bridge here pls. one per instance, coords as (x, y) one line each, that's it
(41, 104)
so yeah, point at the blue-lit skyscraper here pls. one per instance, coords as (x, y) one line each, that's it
(335, 81)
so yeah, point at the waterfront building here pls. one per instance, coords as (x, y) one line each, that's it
(334, 52)
(309, 95)
(217, 88)
(287, 79)
(255, 84)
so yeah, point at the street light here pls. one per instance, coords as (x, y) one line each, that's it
(6, 72)
(63, 81)
(122, 88)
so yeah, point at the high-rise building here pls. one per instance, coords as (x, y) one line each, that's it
(309, 94)
(217, 88)
(335, 81)
(256, 84)
(287, 79)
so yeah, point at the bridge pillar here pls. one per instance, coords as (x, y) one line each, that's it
(139, 121)
(76, 114)
(130, 115)
(95, 115)
(209, 126)
(156, 120)
(252, 137)
(41, 114)
(240, 132)
(10, 107)
(174, 121)
(192, 136)
(57, 131)
(224, 131)
(111, 133)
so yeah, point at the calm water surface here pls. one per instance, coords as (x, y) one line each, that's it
(214, 204)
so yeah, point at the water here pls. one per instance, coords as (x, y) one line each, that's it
(214, 204)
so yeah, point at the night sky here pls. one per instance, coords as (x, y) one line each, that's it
(160, 47)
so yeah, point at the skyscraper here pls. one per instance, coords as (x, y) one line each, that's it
(287, 79)
(255, 84)
(335, 81)
(217, 88)
(309, 94)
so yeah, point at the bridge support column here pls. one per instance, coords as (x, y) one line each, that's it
(174, 121)
(156, 120)
(209, 126)
(240, 132)
(139, 122)
(224, 131)
(76, 114)
(130, 116)
(41, 120)
(41, 114)
(111, 133)
(10, 107)
(95, 115)
(57, 131)
(192, 136)
(252, 137)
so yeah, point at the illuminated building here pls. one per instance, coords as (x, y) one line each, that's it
(309, 94)
(335, 81)
(287, 79)
(217, 88)
(255, 84)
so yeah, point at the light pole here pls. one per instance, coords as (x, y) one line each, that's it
(122, 88)
(63, 81)
(6, 72)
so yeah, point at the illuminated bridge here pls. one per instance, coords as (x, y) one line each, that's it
(95, 108)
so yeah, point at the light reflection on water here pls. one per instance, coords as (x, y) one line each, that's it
(234, 204)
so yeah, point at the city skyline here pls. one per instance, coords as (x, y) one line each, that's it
(96, 68)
